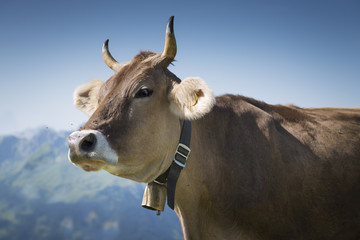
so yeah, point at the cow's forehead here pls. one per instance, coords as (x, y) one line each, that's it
(141, 67)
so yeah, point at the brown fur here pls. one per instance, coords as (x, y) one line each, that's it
(256, 171)
(273, 172)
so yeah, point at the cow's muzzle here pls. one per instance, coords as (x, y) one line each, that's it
(82, 143)
(90, 150)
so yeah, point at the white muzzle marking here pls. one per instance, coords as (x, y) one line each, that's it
(101, 151)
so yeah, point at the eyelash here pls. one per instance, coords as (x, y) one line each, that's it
(144, 92)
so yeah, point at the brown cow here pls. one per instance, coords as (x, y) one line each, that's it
(256, 171)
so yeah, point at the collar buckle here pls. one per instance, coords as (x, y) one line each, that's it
(181, 155)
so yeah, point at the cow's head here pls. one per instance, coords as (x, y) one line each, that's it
(135, 116)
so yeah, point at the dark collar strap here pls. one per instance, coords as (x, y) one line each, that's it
(172, 174)
(181, 155)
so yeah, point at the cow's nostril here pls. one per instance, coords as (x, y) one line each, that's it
(88, 143)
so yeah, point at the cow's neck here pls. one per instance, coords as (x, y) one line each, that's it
(165, 185)
(190, 191)
(195, 204)
(180, 157)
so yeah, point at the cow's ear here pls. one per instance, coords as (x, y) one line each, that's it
(86, 96)
(191, 99)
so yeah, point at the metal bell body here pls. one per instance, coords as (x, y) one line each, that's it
(154, 196)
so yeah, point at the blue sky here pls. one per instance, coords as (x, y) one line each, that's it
(305, 53)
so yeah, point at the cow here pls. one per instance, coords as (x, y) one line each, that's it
(255, 170)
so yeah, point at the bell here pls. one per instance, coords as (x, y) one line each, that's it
(154, 197)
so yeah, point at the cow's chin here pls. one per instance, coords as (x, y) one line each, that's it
(142, 173)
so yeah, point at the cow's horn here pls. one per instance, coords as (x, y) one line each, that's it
(109, 60)
(170, 41)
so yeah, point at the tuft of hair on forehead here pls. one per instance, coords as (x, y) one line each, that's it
(149, 58)
(143, 55)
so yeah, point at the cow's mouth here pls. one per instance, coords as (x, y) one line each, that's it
(91, 165)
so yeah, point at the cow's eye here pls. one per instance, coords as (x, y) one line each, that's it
(144, 92)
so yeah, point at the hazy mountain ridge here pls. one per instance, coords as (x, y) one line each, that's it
(43, 196)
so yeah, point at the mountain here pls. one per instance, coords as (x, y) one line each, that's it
(43, 196)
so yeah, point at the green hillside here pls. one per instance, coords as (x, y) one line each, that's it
(43, 196)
